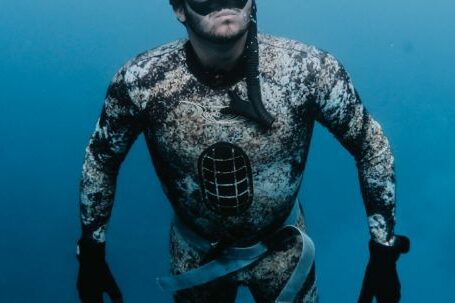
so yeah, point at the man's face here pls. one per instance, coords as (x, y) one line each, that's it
(223, 22)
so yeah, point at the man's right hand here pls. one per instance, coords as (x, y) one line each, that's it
(94, 276)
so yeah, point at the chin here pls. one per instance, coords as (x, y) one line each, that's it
(228, 31)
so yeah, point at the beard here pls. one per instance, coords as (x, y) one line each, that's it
(195, 24)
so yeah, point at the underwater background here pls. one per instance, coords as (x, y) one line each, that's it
(56, 60)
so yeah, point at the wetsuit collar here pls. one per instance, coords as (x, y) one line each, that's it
(211, 77)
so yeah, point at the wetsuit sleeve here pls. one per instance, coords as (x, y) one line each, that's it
(339, 108)
(116, 129)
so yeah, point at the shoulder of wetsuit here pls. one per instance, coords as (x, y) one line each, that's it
(147, 69)
(149, 60)
(290, 45)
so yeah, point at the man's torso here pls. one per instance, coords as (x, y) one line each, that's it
(225, 175)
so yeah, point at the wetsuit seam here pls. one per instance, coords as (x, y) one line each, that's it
(178, 46)
(265, 42)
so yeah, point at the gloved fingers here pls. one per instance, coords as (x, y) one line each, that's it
(366, 296)
(389, 292)
(387, 289)
(388, 298)
(88, 291)
(111, 288)
(366, 293)
(91, 296)
(115, 294)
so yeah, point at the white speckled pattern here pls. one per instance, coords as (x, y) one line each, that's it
(157, 94)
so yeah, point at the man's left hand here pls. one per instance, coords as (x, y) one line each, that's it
(381, 278)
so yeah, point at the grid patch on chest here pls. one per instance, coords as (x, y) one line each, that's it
(226, 179)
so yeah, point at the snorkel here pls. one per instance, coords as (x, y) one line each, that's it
(254, 109)
(252, 76)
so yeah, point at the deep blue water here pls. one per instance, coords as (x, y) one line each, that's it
(56, 59)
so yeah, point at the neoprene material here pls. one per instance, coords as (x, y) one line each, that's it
(94, 276)
(381, 278)
(232, 259)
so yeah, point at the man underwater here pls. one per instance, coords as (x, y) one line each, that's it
(228, 115)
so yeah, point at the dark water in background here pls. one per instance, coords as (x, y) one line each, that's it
(56, 59)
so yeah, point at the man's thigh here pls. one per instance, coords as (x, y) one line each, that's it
(267, 278)
(184, 258)
(268, 291)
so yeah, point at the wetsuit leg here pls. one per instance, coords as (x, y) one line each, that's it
(268, 277)
(184, 258)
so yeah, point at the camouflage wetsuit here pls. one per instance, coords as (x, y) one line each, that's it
(225, 176)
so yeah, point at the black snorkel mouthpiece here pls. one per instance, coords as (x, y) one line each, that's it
(254, 109)
(205, 7)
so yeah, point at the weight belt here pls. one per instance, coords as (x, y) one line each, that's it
(232, 259)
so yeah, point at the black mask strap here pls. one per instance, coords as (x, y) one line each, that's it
(204, 8)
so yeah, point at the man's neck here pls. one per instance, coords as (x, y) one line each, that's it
(215, 55)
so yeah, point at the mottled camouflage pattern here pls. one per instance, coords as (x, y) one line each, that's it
(265, 278)
(157, 94)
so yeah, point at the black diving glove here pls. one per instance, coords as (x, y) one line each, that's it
(94, 276)
(381, 278)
